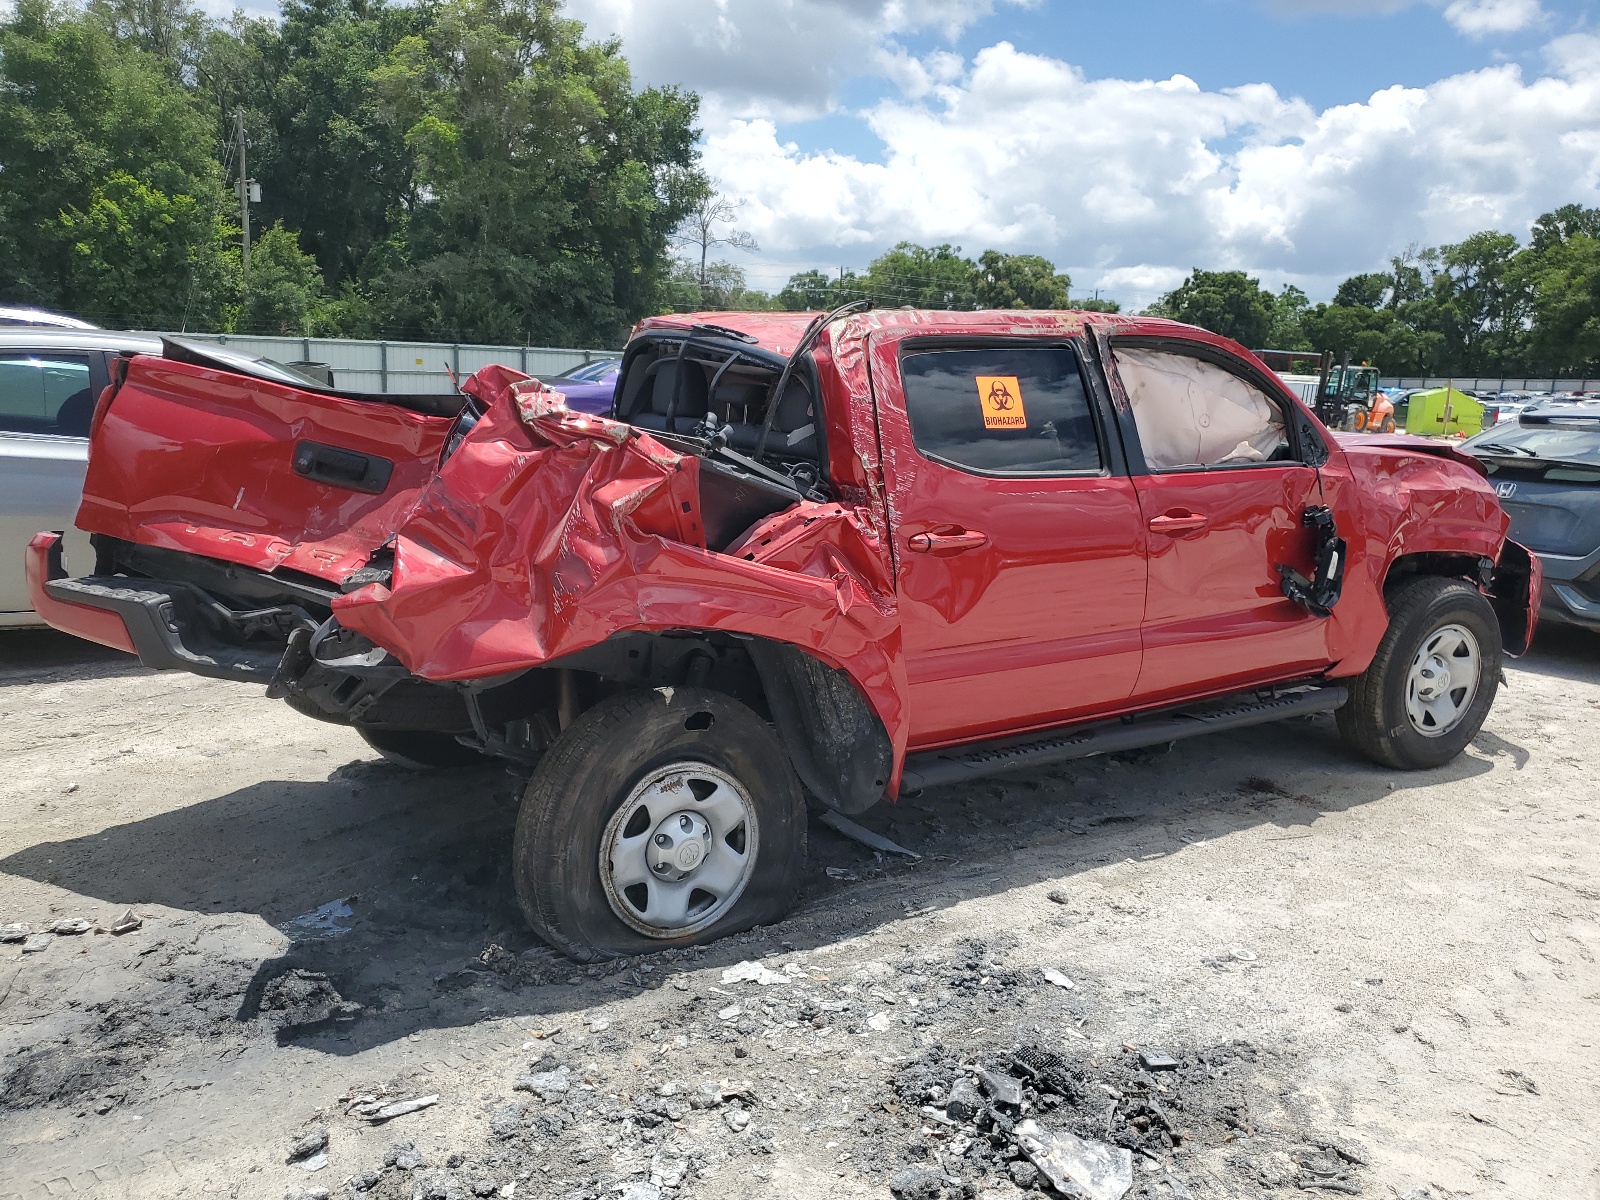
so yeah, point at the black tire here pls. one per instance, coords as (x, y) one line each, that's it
(593, 770)
(1375, 721)
(421, 749)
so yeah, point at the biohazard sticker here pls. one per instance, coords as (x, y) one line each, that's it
(1001, 397)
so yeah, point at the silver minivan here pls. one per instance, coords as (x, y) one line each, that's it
(49, 380)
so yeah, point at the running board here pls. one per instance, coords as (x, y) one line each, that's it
(973, 761)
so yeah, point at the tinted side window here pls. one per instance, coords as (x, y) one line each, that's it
(45, 393)
(1004, 410)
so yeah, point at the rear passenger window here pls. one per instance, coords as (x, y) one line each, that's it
(45, 393)
(1003, 410)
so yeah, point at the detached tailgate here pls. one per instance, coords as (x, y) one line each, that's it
(209, 461)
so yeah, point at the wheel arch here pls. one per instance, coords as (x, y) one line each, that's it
(1509, 585)
(836, 739)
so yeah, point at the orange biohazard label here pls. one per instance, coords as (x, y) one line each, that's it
(1001, 397)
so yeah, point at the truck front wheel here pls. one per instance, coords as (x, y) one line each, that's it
(1433, 680)
(662, 818)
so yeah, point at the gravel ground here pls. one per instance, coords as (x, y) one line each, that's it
(1367, 983)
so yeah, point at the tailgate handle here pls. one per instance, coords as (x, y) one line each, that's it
(342, 468)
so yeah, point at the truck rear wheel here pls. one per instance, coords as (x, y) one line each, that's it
(421, 749)
(1433, 680)
(662, 818)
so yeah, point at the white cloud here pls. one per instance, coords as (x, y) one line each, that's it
(1480, 18)
(779, 58)
(1130, 183)
(1475, 18)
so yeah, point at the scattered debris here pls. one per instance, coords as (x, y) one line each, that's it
(1242, 955)
(549, 1085)
(1074, 1166)
(378, 1111)
(322, 921)
(300, 999)
(17, 932)
(752, 972)
(36, 943)
(964, 1103)
(841, 873)
(737, 1119)
(1051, 975)
(1155, 1060)
(1520, 1081)
(316, 1193)
(865, 836)
(1057, 896)
(127, 923)
(310, 1143)
(917, 1183)
(1002, 1089)
(878, 1022)
(71, 926)
(403, 1156)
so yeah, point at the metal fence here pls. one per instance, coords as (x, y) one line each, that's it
(1493, 383)
(415, 368)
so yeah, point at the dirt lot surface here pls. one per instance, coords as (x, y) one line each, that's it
(1371, 983)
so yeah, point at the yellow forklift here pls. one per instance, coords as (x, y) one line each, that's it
(1344, 396)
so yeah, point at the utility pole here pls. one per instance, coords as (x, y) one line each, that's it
(248, 190)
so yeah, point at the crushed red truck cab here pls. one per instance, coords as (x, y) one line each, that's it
(850, 554)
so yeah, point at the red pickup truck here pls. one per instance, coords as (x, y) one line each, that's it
(850, 555)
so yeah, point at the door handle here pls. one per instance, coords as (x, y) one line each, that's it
(927, 543)
(1175, 523)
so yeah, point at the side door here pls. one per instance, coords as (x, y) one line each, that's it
(1225, 466)
(1016, 534)
(46, 399)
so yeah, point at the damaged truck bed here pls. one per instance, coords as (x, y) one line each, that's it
(848, 555)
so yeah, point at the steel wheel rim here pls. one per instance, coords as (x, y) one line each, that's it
(678, 853)
(1444, 678)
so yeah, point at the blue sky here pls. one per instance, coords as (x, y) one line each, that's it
(1303, 140)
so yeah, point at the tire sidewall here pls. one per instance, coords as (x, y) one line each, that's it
(590, 773)
(1456, 604)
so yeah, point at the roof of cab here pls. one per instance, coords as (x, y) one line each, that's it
(779, 331)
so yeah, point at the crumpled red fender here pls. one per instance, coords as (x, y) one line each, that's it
(548, 531)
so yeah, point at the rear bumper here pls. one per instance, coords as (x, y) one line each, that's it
(91, 622)
(153, 619)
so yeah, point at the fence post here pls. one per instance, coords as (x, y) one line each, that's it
(455, 358)
(383, 366)
(522, 352)
(305, 349)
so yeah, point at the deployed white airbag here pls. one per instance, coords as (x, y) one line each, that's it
(1190, 413)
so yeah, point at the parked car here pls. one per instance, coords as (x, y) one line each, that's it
(1545, 468)
(10, 315)
(588, 388)
(49, 379)
(1018, 538)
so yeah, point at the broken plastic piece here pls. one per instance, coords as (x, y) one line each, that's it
(752, 972)
(323, 921)
(1075, 1167)
(1154, 1060)
(865, 836)
(1051, 975)
(1319, 594)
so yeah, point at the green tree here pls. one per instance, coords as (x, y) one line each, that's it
(1570, 220)
(283, 293)
(84, 117)
(1289, 309)
(545, 186)
(1564, 281)
(1020, 281)
(923, 277)
(807, 291)
(1227, 302)
(1364, 291)
(143, 259)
